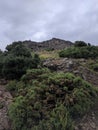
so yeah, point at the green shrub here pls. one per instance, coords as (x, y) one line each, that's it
(80, 52)
(51, 102)
(40, 74)
(59, 120)
(17, 112)
(95, 67)
(15, 67)
(80, 44)
(17, 60)
(49, 49)
(12, 86)
(1, 62)
(36, 60)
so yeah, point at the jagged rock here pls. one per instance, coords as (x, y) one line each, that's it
(5, 100)
(53, 44)
(76, 66)
(64, 64)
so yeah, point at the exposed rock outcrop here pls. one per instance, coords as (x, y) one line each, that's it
(53, 44)
(76, 66)
(5, 100)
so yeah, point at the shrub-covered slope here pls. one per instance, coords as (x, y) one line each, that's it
(16, 60)
(46, 100)
(52, 98)
(80, 52)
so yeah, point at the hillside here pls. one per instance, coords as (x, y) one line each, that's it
(79, 67)
(51, 85)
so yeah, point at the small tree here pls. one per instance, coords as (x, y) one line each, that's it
(36, 60)
(15, 67)
(18, 49)
(17, 60)
(13, 45)
(80, 44)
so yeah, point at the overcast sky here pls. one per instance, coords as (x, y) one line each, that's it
(39, 20)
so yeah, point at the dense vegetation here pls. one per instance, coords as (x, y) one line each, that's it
(80, 50)
(16, 60)
(81, 44)
(45, 100)
(1, 62)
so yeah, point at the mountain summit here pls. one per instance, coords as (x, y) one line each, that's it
(52, 44)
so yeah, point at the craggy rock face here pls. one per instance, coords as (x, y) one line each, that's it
(63, 64)
(5, 100)
(53, 44)
(76, 66)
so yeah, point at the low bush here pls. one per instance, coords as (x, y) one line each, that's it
(48, 100)
(80, 52)
(17, 60)
(15, 67)
(80, 44)
(1, 63)
(59, 120)
(95, 67)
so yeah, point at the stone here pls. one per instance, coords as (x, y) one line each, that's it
(6, 99)
(52, 44)
(92, 124)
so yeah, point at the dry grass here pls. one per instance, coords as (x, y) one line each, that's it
(48, 54)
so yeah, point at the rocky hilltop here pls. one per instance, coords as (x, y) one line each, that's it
(52, 44)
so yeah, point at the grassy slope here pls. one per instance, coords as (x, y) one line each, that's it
(48, 54)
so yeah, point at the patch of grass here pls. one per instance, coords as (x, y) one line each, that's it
(92, 65)
(48, 54)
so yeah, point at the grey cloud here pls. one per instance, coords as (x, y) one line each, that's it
(40, 20)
